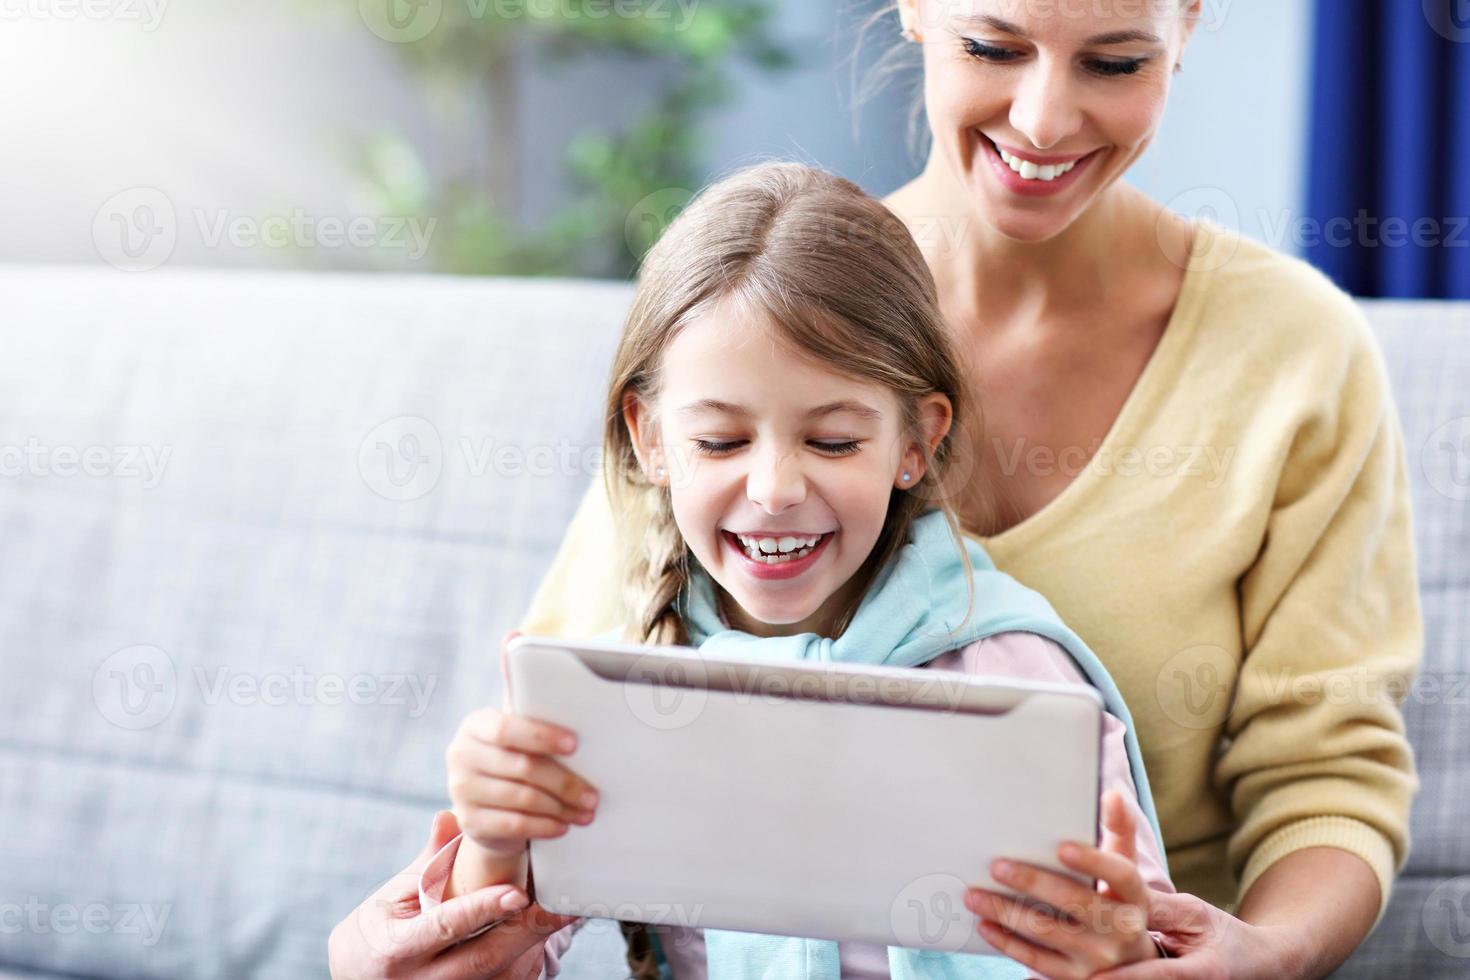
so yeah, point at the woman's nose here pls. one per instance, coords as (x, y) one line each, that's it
(776, 482)
(1044, 107)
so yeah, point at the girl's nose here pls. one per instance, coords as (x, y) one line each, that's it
(1044, 107)
(776, 482)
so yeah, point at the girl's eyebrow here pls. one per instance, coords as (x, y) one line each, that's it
(844, 405)
(1099, 40)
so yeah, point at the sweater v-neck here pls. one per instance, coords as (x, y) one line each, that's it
(1142, 401)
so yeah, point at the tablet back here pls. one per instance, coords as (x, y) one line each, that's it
(836, 802)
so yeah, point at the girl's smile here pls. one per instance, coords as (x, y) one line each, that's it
(777, 556)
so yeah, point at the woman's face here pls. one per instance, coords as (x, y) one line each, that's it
(1037, 106)
(767, 450)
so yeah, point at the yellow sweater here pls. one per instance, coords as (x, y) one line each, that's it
(1244, 527)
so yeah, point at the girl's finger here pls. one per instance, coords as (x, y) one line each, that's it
(522, 767)
(505, 667)
(506, 794)
(512, 731)
(1042, 960)
(1058, 891)
(506, 829)
(1120, 832)
(1120, 875)
(1078, 943)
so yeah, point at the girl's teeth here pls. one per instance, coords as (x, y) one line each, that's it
(775, 551)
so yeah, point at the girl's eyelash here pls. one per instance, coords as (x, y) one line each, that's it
(714, 448)
(1001, 56)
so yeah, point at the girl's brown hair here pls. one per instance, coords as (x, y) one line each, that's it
(840, 279)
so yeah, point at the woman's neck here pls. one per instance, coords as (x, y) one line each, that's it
(997, 279)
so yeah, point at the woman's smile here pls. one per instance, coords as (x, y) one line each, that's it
(1031, 175)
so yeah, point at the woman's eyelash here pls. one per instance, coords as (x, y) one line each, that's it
(711, 447)
(1001, 56)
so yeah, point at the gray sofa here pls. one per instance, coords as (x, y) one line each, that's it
(262, 533)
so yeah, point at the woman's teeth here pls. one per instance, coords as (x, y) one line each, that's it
(1031, 171)
(775, 551)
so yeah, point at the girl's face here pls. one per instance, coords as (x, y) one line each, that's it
(1037, 108)
(779, 469)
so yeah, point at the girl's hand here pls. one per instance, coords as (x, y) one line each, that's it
(504, 783)
(1089, 931)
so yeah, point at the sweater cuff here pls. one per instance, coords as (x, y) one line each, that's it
(1345, 833)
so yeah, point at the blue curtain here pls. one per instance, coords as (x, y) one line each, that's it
(1388, 186)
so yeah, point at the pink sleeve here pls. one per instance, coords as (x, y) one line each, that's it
(1028, 656)
(435, 877)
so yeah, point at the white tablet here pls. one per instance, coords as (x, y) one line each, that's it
(832, 801)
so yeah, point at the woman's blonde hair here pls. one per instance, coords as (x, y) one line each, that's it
(840, 278)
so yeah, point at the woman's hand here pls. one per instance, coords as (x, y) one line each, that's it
(388, 935)
(504, 783)
(1210, 944)
(1090, 930)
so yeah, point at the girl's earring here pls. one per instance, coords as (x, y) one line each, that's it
(905, 476)
(659, 472)
(909, 34)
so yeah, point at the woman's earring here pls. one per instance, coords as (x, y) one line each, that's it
(659, 472)
(1178, 66)
(905, 476)
(909, 34)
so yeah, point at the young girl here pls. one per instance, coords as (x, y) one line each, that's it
(783, 434)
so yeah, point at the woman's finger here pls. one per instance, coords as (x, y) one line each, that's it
(515, 943)
(453, 922)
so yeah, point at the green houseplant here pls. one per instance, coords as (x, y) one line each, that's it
(626, 183)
